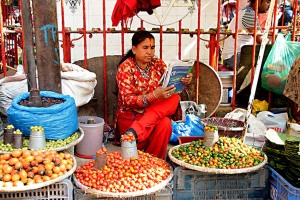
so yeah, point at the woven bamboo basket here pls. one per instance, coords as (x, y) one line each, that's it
(226, 126)
(43, 184)
(209, 88)
(81, 135)
(214, 170)
(99, 193)
(73, 143)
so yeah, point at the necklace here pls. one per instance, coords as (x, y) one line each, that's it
(144, 72)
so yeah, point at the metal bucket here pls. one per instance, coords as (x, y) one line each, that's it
(8, 136)
(129, 150)
(37, 140)
(17, 141)
(100, 161)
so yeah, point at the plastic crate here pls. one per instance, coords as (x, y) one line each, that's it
(164, 194)
(281, 189)
(190, 184)
(59, 191)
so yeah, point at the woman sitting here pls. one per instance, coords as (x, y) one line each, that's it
(144, 107)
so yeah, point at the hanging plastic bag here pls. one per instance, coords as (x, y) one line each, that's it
(278, 64)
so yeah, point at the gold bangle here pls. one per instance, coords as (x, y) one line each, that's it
(145, 102)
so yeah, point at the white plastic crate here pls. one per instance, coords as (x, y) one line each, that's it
(164, 194)
(191, 184)
(62, 190)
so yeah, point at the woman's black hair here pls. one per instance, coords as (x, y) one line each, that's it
(136, 39)
(253, 1)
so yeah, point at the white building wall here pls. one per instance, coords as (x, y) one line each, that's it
(94, 19)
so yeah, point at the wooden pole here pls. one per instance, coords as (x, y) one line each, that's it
(258, 67)
(27, 32)
(47, 47)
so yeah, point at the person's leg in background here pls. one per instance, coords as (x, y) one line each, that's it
(229, 63)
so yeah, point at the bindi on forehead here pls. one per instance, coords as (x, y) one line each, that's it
(148, 43)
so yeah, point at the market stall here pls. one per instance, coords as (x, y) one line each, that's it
(33, 155)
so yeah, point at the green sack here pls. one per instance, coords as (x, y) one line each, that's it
(278, 64)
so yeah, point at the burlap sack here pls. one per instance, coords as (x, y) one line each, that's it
(292, 87)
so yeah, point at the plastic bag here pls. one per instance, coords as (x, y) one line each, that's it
(255, 135)
(191, 127)
(259, 106)
(237, 114)
(278, 64)
(59, 121)
(273, 121)
(293, 129)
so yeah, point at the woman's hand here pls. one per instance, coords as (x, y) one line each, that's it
(163, 93)
(188, 79)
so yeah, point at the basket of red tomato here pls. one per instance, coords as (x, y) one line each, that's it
(121, 178)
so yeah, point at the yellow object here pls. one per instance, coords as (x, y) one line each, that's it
(259, 106)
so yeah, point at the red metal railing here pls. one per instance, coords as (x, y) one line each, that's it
(10, 56)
